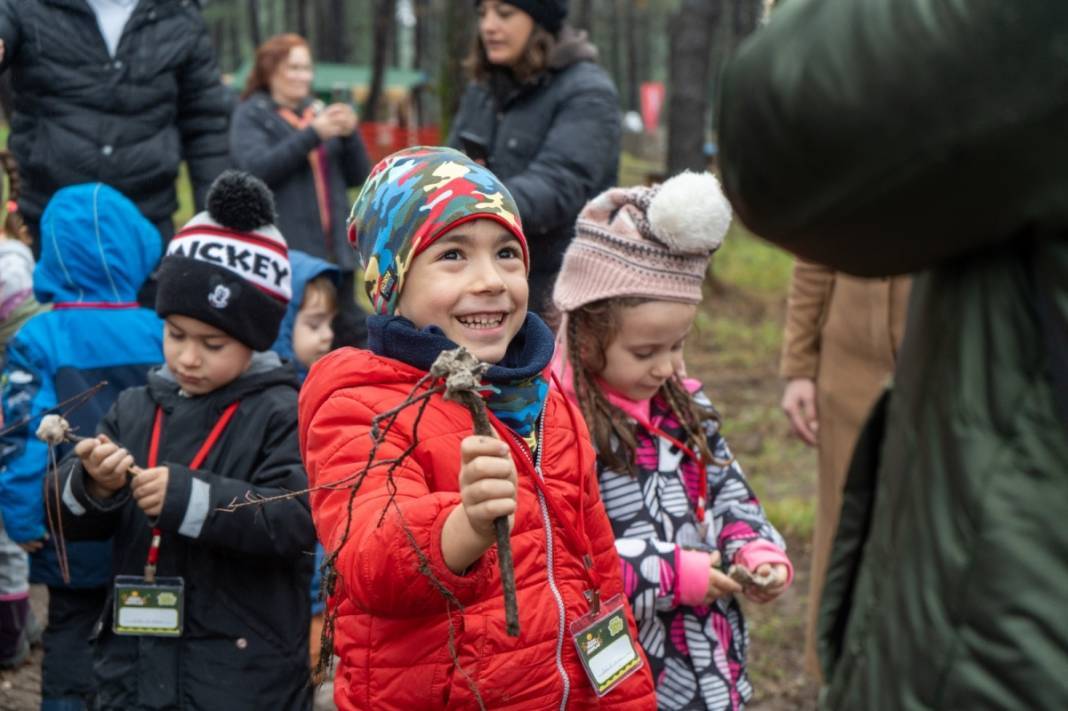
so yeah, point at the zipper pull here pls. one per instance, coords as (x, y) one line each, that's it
(593, 595)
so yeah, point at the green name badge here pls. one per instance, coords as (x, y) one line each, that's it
(605, 646)
(148, 609)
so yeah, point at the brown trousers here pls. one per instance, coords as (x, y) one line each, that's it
(843, 332)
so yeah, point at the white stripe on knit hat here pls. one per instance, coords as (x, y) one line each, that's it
(258, 257)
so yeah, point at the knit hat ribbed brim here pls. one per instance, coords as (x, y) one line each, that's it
(229, 267)
(643, 242)
(550, 14)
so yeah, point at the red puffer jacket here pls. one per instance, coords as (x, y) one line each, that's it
(392, 631)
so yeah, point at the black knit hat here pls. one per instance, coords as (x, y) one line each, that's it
(547, 13)
(229, 266)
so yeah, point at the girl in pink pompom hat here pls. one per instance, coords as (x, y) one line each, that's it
(689, 530)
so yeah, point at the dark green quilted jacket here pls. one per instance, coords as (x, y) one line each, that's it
(931, 136)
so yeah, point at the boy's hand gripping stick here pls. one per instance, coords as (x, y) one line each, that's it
(463, 379)
(54, 430)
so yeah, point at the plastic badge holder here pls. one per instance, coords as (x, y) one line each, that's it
(143, 609)
(605, 645)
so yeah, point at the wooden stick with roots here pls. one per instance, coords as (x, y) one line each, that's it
(463, 373)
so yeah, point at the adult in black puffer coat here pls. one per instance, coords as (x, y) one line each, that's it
(545, 118)
(83, 114)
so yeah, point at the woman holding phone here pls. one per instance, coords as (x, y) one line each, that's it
(307, 153)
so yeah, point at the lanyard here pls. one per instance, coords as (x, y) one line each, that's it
(702, 479)
(198, 459)
(110, 305)
(577, 535)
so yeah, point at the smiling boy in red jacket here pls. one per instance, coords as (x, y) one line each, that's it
(446, 264)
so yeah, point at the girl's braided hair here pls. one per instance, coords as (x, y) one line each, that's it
(14, 226)
(590, 330)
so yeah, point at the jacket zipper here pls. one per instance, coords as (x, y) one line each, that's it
(549, 558)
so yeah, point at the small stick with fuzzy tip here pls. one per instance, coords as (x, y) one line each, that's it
(54, 430)
(463, 378)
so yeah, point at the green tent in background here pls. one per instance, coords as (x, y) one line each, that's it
(349, 82)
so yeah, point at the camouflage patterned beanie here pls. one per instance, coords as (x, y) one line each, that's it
(411, 199)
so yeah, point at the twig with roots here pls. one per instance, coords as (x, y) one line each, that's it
(419, 396)
(461, 373)
(54, 430)
(463, 379)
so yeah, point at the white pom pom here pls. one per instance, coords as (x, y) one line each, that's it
(53, 429)
(690, 214)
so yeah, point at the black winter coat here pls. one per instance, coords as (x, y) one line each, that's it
(82, 115)
(247, 573)
(553, 141)
(264, 144)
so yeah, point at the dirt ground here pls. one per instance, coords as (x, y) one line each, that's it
(735, 353)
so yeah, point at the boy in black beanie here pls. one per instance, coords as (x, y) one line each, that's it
(209, 607)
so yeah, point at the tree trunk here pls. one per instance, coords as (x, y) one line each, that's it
(691, 30)
(217, 30)
(615, 46)
(384, 27)
(300, 10)
(234, 42)
(254, 32)
(337, 19)
(330, 30)
(459, 37)
(631, 42)
(582, 15)
(421, 8)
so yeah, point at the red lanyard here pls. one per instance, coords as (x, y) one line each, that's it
(702, 478)
(198, 459)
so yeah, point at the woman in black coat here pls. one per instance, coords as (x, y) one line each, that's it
(307, 154)
(545, 118)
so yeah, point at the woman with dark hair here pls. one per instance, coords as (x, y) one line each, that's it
(544, 117)
(307, 153)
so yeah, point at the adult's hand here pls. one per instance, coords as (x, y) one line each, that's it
(326, 125)
(334, 121)
(799, 404)
(345, 118)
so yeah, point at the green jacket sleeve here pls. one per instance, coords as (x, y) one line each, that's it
(885, 136)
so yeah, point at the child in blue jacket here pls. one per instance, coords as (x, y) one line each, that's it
(96, 252)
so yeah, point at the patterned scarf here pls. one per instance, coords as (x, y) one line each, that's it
(518, 384)
(319, 167)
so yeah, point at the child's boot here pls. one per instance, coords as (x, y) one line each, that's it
(14, 637)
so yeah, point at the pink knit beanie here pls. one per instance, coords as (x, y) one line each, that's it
(645, 242)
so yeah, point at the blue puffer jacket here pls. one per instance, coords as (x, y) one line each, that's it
(96, 251)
